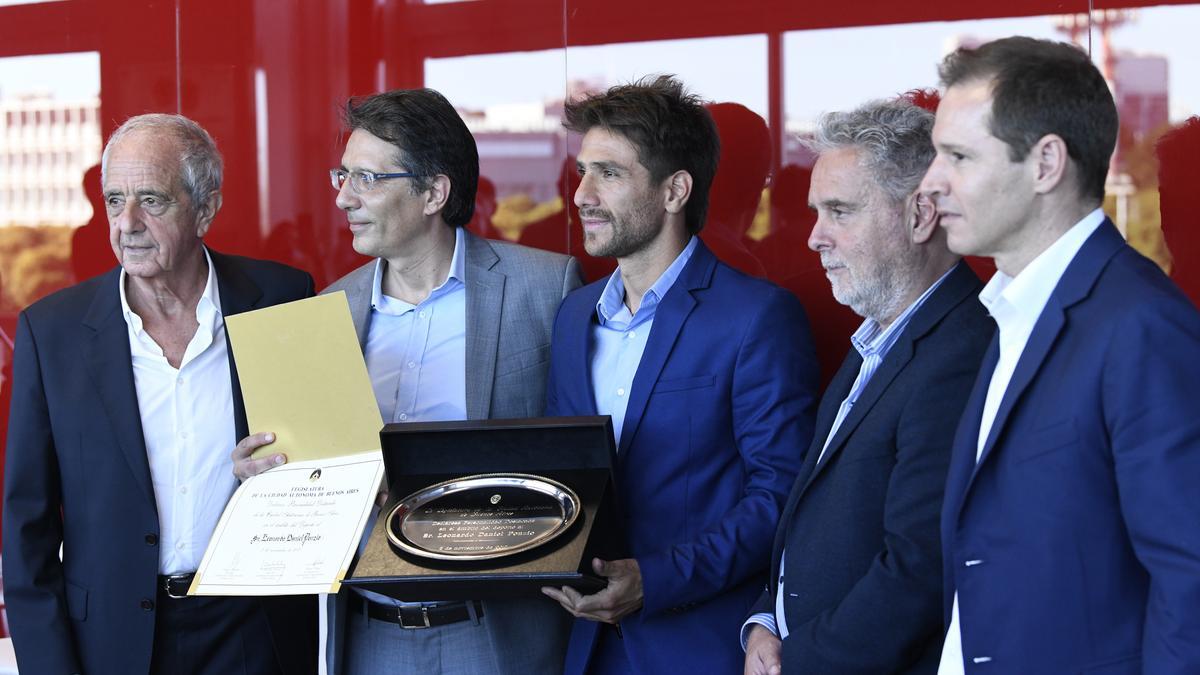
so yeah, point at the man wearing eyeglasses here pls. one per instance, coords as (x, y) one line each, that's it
(452, 327)
(125, 404)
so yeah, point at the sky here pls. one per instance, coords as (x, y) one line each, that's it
(823, 69)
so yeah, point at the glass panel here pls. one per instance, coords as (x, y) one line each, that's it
(1150, 57)
(517, 123)
(46, 147)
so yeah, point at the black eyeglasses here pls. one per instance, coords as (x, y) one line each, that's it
(362, 181)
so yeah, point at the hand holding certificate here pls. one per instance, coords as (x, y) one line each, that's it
(294, 528)
(291, 530)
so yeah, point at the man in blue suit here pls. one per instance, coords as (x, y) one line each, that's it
(1071, 523)
(856, 572)
(709, 376)
(125, 407)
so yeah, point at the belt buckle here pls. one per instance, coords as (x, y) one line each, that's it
(415, 626)
(168, 583)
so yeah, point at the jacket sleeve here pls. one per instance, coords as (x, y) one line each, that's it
(1151, 384)
(34, 586)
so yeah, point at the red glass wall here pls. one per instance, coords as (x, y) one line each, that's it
(267, 79)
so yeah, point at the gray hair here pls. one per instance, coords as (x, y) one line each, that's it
(895, 137)
(200, 164)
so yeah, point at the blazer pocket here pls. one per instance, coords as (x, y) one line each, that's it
(77, 601)
(663, 386)
(1048, 439)
(526, 358)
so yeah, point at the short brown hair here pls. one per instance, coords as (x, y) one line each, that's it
(669, 127)
(1042, 87)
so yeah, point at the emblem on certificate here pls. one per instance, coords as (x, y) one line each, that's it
(482, 517)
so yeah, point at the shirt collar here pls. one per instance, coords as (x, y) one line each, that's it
(611, 305)
(872, 339)
(456, 273)
(1022, 298)
(208, 309)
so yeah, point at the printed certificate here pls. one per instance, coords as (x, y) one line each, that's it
(291, 530)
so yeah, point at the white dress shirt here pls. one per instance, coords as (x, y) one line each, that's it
(188, 428)
(1015, 303)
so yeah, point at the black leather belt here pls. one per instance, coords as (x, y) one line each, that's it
(175, 585)
(413, 616)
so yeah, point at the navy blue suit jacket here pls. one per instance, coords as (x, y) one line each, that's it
(718, 419)
(1074, 542)
(863, 573)
(76, 474)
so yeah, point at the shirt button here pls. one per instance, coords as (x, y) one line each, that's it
(621, 391)
(184, 435)
(152, 539)
(632, 335)
(412, 364)
(180, 546)
(183, 490)
(403, 416)
(147, 604)
(421, 314)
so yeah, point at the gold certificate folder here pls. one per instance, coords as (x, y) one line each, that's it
(303, 378)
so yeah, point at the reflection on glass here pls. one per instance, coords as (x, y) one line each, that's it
(517, 124)
(49, 136)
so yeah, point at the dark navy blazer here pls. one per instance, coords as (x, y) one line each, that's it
(76, 473)
(863, 573)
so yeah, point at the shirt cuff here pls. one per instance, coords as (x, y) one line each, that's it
(764, 619)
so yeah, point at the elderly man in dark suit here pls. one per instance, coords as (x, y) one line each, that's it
(855, 584)
(125, 405)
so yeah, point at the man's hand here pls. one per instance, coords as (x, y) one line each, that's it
(244, 467)
(622, 596)
(762, 652)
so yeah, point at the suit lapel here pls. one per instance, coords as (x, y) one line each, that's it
(966, 438)
(957, 287)
(239, 294)
(358, 296)
(485, 297)
(669, 317)
(108, 361)
(837, 390)
(576, 367)
(1075, 285)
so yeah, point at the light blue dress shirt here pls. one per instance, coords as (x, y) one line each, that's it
(417, 359)
(417, 354)
(619, 338)
(872, 342)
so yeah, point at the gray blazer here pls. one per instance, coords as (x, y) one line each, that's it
(513, 293)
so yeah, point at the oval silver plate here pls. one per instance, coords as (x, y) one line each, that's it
(482, 517)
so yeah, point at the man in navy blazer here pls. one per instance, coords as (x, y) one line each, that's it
(125, 407)
(709, 376)
(856, 571)
(1071, 523)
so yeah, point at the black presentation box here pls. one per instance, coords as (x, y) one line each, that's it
(577, 452)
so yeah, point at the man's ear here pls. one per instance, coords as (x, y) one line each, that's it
(1050, 159)
(679, 189)
(206, 212)
(437, 195)
(922, 218)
